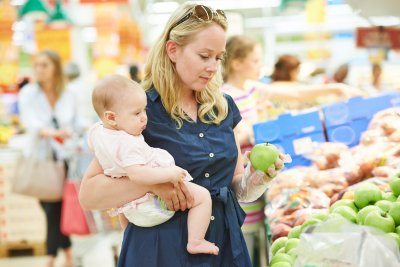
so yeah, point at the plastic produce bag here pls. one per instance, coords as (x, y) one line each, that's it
(338, 242)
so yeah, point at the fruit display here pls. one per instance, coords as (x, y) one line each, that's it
(370, 207)
(335, 169)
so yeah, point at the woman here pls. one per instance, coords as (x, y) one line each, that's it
(47, 111)
(190, 118)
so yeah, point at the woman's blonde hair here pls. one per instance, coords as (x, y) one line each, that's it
(58, 75)
(160, 72)
(238, 47)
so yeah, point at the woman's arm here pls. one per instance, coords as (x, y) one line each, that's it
(306, 92)
(98, 191)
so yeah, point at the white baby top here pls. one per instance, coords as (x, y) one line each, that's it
(116, 150)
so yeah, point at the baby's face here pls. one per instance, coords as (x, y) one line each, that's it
(131, 113)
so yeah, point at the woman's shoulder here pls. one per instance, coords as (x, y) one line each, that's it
(29, 90)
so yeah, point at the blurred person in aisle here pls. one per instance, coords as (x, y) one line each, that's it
(286, 70)
(376, 86)
(296, 95)
(195, 122)
(134, 73)
(82, 91)
(48, 111)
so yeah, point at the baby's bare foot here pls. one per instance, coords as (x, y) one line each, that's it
(202, 246)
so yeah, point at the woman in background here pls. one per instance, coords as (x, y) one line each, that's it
(48, 112)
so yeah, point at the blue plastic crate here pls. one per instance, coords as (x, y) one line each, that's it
(348, 133)
(307, 123)
(287, 125)
(298, 161)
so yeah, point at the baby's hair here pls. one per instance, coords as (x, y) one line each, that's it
(110, 90)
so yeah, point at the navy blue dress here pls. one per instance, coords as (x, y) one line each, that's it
(209, 153)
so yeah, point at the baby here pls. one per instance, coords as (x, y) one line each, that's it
(119, 146)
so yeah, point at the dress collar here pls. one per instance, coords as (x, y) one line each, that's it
(153, 94)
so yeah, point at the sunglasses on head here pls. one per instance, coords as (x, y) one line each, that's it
(202, 13)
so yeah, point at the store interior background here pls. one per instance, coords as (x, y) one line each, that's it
(105, 37)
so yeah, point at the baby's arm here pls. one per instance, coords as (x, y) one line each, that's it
(146, 175)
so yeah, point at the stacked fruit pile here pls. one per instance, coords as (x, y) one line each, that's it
(369, 206)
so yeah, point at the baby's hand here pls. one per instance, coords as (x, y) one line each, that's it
(177, 174)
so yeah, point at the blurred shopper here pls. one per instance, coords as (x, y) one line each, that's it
(48, 111)
(82, 91)
(376, 86)
(134, 73)
(286, 69)
(190, 118)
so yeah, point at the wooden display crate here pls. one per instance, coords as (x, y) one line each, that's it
(26, 248)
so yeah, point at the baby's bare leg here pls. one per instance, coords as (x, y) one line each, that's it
(199, 220)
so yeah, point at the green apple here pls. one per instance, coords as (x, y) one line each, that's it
(397, 231)
(263, 156)
(396, 238)
(395, 184)
(295, 232)
(347, 213)
(395, 212)
(308, 223)
(281, 250)
(385, 205)
(278, 244)
(344, 202)
(281, 257)
(323, 216)
(281, 264)
(381, 221)
(291, 244)
(365, 211)
(292, 253)
(389, 196)
(367, 194)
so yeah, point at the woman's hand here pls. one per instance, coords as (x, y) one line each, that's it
(176, 197)
(273, 170)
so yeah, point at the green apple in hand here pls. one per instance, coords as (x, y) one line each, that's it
(367, 194)
(263, 156)
(381, 221)
(344, 202)
(365, 211)
(347, 213)
(395, 212)
(385, 205)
